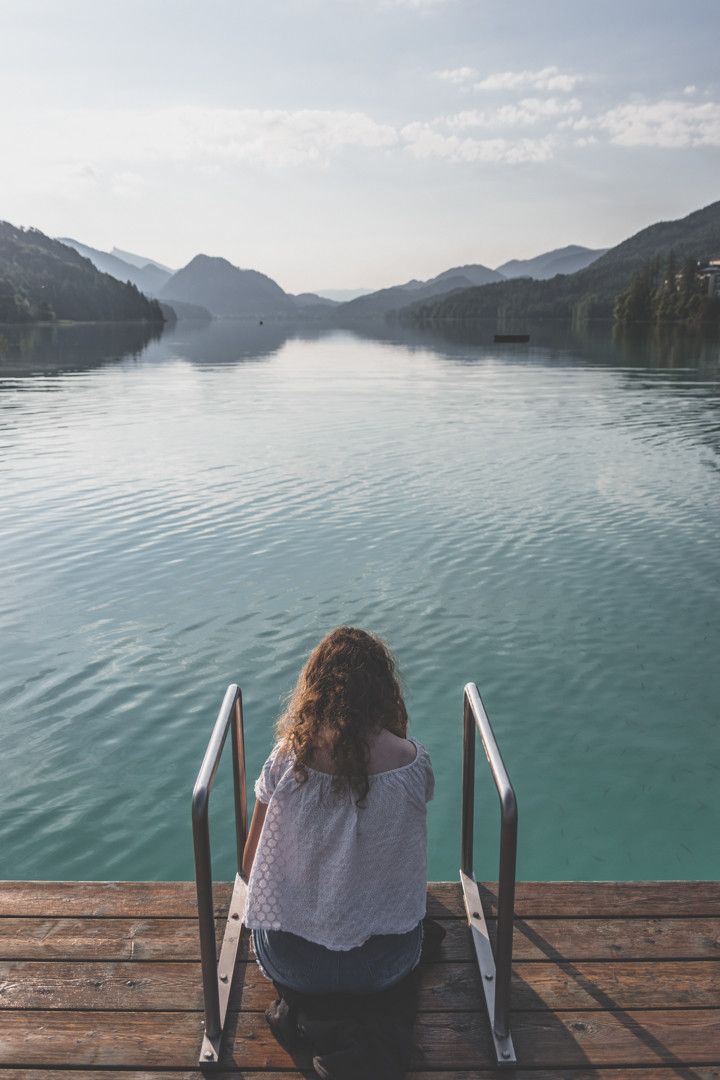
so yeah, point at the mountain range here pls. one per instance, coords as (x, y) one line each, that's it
(566, 260)
(385, 300)
(562, 282)
(147, 275)
(208, 286)
(42, 280)
(212, 286)
(590, 292)
(139, 260)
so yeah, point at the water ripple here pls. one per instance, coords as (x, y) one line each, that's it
(543, 521)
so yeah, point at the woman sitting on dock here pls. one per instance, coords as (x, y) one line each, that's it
(337, 847)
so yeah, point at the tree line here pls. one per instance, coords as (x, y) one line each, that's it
(664, 291)
(42, 280)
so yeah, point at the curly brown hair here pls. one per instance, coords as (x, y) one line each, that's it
(347, 690)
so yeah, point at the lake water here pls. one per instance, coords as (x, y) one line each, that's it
(200, 508)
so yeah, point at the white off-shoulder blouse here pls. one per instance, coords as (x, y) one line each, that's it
(333, 872)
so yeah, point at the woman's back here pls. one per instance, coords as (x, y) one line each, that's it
(387, 751)
(335, 872)
(340, 819)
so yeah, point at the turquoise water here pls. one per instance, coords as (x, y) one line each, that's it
(187, 511)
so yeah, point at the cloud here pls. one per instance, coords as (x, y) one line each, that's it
(207, 136)
(578, 123)
(458, 76)
(547, 78)
(528, 112)
(117, 151)
(425, 141)
(81, 154)
(669, 123)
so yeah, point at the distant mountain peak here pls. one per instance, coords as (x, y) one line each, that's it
(201, 259)
(227, 290)
(564, 260)
(141, 261)
(147, 277)
(384, 301)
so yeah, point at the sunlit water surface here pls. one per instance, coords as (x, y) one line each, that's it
(199, 509)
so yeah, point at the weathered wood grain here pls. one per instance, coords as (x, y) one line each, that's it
(88, 899)
(544, 1040)
(605, 899)
(101, 939)
(607, 939)
(610, 980)
(533, 899)
(669, 1072)
(534, 939)
(162, 987)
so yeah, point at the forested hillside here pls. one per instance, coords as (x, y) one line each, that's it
(148, 278)
(384, 301)
(42, 280)
(663, 291)
(589, 292)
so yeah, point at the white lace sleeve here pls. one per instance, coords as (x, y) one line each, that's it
(429, 781)
(269, 775)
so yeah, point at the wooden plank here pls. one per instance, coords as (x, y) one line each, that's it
(88, 899)
(590, 899)
(670, 1072)
(100, 939)
(533, 899)
(607, 899)
(612, 985)
(541, 939)
(445, 986)
(196, 1074)
(607, 939)
(543, 1040)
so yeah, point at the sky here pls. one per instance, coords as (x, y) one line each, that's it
(356, 143)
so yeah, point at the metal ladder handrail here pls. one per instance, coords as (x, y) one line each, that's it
(217, 976)
(495, 967)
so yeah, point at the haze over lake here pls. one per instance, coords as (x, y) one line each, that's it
(188, 510)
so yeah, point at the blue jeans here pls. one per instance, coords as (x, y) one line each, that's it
(303, 965)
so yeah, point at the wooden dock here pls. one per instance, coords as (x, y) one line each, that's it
(610, 980)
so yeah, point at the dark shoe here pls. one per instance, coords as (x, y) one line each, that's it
(331, 1036)
(433, 934)
(348, 1064)
(281, 1018)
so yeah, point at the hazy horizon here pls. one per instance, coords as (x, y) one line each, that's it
(351, 145)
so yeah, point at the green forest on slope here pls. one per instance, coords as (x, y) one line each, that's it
(42, 280)
(589, 293)
(664, 292)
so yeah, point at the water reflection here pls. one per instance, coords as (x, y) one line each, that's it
(679, 351)
(225, 342)
(666, 347)
(42, 349)
(28, 350)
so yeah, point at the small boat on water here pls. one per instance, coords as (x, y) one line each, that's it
(511, 339)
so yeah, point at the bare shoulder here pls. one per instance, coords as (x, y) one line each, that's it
(389, 751)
